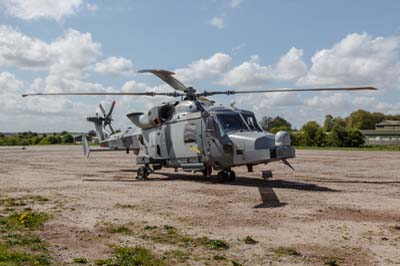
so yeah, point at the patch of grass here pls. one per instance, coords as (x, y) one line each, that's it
(235, 263)
(80, 260)
(127, 256)
(125, 206)
(395, 227)
(249, 240)
(331, 261)
(170, 235)
(27, 220)
(117, 229)
(216, 244)
(219, 257)
(177, 254)
(286, 251)
(18, 258)
(38, 198)
(166, 234)
(22, 201)
(150, 227)
(24, 239)
(12, 202)
(364, 148)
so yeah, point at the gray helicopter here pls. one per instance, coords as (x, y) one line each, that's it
(193, 133)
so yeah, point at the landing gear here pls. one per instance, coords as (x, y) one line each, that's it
(227, 176)
(143, 172)
(207, 171)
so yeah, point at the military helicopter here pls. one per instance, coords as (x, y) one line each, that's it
(193, 133)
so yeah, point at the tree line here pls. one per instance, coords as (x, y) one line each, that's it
(33, 138)
(335, 131)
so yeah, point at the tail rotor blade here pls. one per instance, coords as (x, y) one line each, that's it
(111, 128)
(102, 109)
(111, 109)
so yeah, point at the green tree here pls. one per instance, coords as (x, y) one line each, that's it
(360, 119)
(377, 117)
(328, 123)
(313, 134)
(338, 122)
(67, 139)
(297, 138)
(337, 137)
(50, 140)
(275, 124)
(354, 138)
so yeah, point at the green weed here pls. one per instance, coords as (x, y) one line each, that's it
(126, 256)
(249, 240)
(286, 251)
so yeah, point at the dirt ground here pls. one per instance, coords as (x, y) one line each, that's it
(338, 207)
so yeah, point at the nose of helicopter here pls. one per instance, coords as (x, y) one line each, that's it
(252, 147)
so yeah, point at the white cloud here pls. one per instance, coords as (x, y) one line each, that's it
(204, 68)
(67, 56)
(8, 83)
(326, 102)
(355, 60)
(252, 74)
(92, 7)
(36, 9)
(115, 66)
(235, 3)
(217, 22)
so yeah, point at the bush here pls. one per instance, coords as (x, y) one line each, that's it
(67, 139)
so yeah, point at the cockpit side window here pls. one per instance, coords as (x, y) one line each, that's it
(231, 122)
(251, 121)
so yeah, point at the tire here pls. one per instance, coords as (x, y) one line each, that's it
(232, 176)
(141, 173)
(223, 175)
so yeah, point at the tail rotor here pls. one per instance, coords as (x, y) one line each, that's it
(107, 117)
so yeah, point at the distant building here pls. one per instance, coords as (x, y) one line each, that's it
(386, 133)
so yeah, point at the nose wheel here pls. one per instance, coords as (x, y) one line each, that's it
(143, 172)
(227, 176)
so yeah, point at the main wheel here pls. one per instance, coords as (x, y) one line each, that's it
(142, 173)
(231, 176)
(224, 175)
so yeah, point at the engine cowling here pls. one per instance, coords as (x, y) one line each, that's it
(153, 118)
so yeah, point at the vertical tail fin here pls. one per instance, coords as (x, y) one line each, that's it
(99, 127)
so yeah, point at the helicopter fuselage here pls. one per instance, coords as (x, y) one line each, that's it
(194, 135)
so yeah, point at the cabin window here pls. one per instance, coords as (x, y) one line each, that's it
(189, 133)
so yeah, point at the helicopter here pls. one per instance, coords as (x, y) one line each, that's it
(191, 132)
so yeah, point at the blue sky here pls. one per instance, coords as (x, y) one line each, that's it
(79, 45)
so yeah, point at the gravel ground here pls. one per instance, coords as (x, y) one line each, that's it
(341, 206)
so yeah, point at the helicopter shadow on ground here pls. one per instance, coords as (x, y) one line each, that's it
(265, 187)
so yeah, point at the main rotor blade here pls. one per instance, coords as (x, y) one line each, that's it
(230, 92)
(167, 77)
(148, 93)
